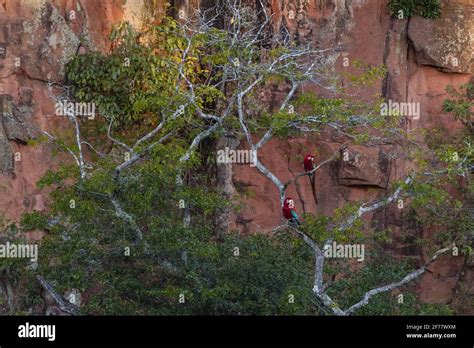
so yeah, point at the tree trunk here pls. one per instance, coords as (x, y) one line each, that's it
(225, 186)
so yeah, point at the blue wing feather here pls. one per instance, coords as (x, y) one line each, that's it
(295, 216)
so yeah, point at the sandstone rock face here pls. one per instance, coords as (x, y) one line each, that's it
(15, 126)
(447, 42)
(321, 22)
(37, 38)
(51, 43)
(362, 166)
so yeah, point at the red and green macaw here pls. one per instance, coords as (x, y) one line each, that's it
(289, 211)
(309, 165)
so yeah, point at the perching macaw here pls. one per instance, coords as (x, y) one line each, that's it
(308, 164)
(289, 211)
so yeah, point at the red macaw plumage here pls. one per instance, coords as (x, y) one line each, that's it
(308, 163)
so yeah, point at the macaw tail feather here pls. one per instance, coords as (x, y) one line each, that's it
(295, 218)
(313, 187)
(294, 221)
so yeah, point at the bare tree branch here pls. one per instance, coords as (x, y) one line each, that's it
(72, 117)
(366, 209)
(64, 305)
(319, 288)
(409, 277)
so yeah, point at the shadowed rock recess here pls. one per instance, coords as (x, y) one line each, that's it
(422, 57)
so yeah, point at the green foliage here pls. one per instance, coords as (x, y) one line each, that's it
(460, 103)
(17, 273)
(322, 228)
(34, 221)
(366, 76)
(425, 8)
(85, 248)
(212, 277)
(440, 194)
(314, 113)
(136, 81)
